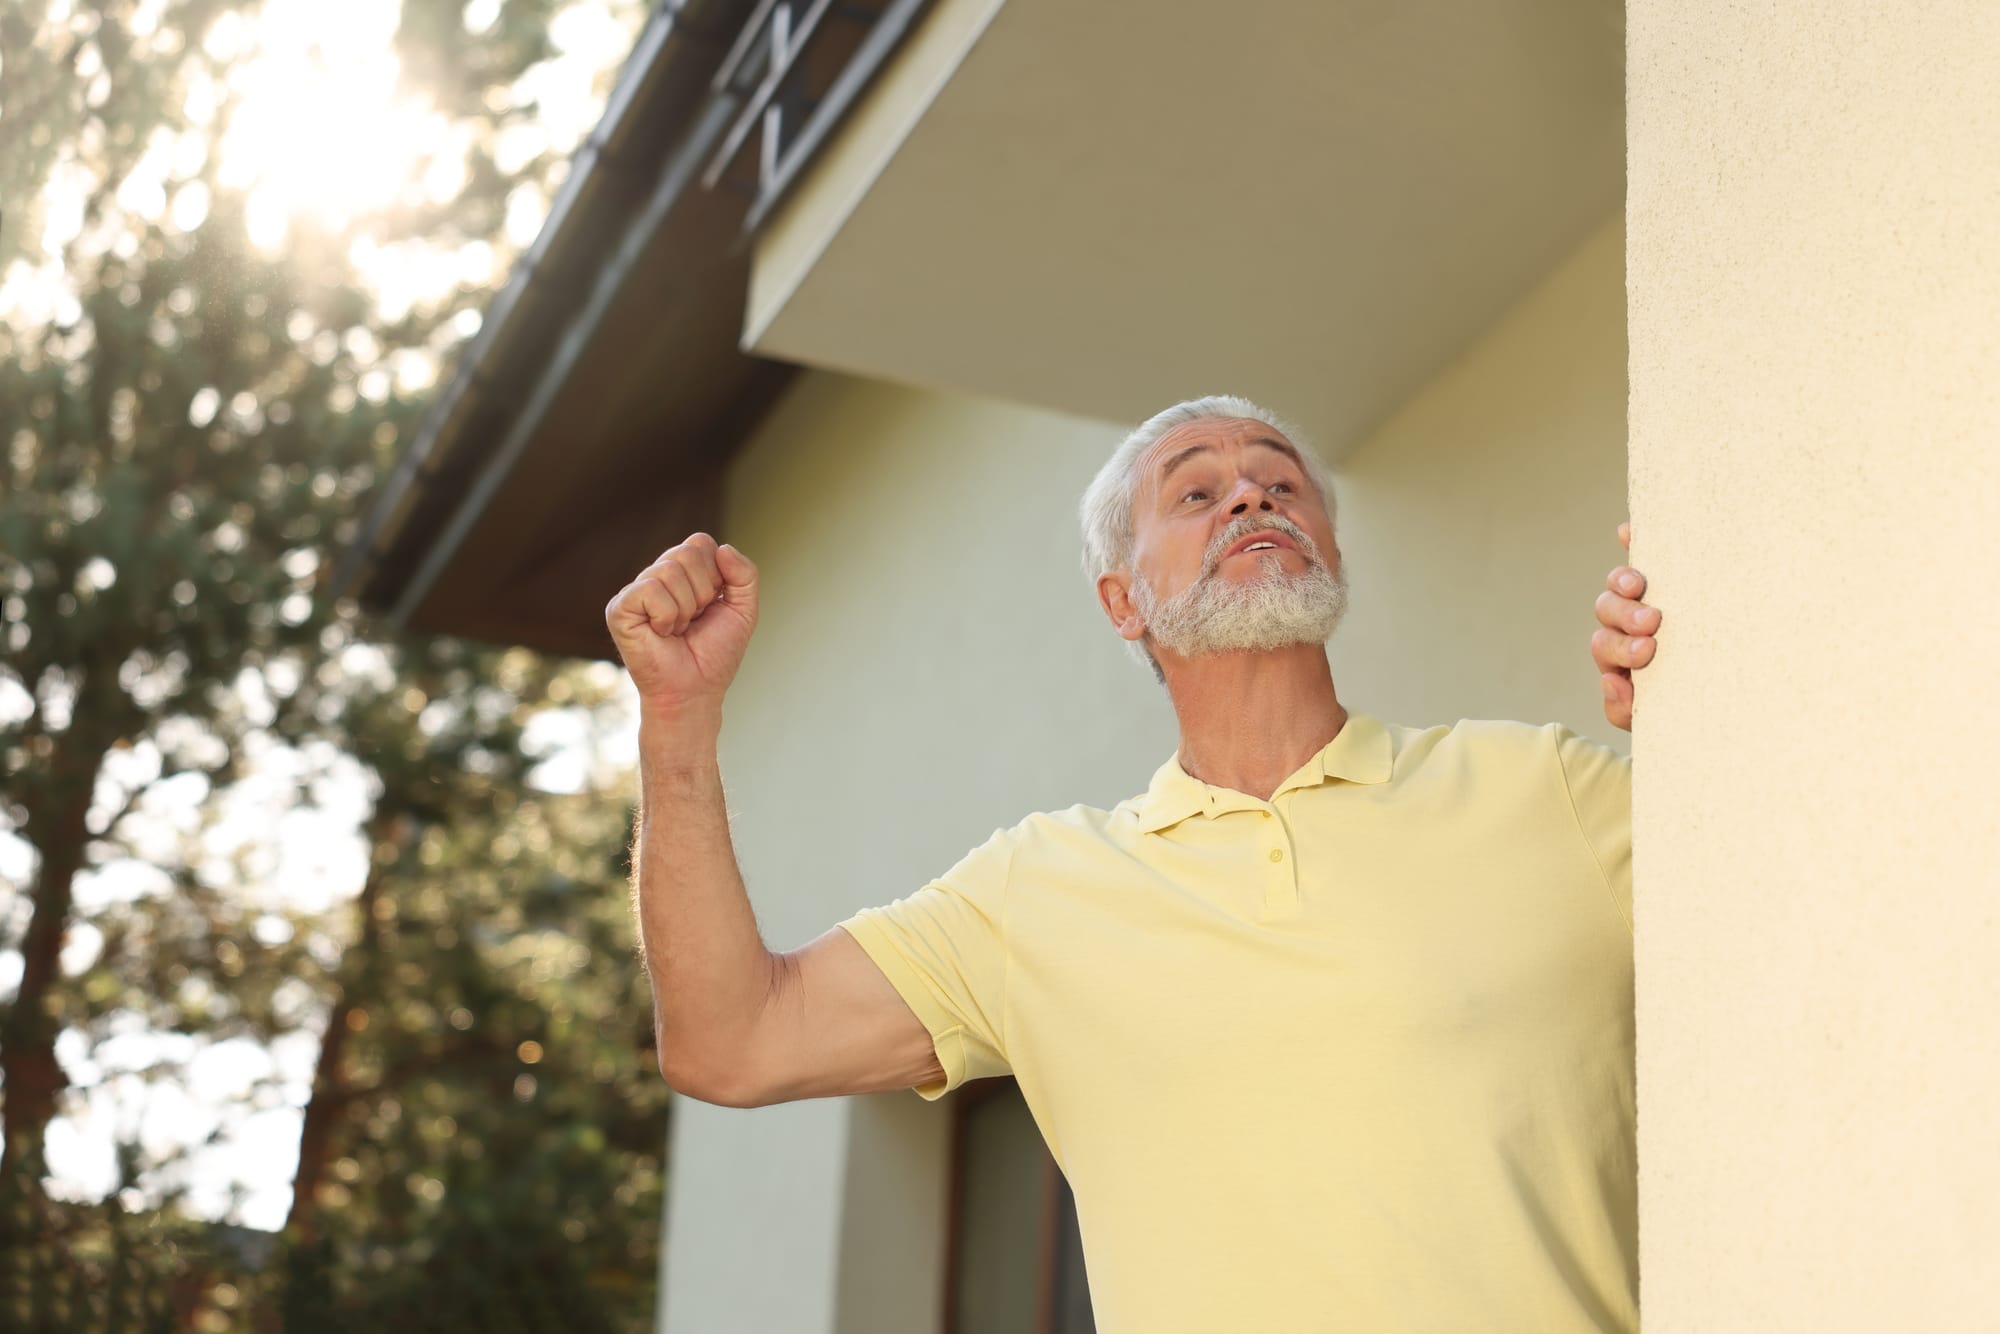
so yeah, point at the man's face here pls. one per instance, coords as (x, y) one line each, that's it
(1232, 546)
(1204, 476)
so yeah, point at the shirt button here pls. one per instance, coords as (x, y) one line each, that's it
(1277, 854)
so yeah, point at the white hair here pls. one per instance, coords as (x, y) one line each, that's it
(1107, 502)
(1107, 505)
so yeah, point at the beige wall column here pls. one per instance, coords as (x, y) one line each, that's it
(1813, 271)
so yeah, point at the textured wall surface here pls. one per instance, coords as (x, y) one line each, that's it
(1814, 279)
(930, 665)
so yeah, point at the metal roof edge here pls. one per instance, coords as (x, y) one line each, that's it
(399, 493)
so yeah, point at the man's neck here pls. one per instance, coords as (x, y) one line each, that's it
(1249, 720)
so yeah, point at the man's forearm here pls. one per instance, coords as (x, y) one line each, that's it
(708, 964)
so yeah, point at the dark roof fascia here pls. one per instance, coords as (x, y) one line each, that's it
(505, 329)
(681, 170)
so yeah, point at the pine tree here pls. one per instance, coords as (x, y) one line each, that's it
(189, 424)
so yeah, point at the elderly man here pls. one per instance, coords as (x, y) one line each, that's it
(1329, 1028)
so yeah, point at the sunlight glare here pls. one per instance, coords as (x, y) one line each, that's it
(320, 130)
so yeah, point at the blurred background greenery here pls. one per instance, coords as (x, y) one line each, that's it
(318, 1001)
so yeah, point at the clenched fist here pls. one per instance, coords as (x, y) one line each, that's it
(683, 624)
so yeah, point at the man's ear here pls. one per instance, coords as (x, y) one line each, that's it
(1114, 594)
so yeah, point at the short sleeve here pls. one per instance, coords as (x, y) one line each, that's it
(1599, 780)
(944, 949)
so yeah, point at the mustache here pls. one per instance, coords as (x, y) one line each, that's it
(1250, 523)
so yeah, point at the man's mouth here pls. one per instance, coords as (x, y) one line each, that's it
(1262, 539)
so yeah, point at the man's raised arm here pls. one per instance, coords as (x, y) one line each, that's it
(736, 1024)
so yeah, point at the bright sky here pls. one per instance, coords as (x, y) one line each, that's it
(323, 133)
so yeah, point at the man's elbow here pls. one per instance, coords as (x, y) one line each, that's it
(723, 1083)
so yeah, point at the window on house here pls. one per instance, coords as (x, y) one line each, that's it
(1016, 1256)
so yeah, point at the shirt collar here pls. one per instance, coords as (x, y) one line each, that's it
(1359, 753)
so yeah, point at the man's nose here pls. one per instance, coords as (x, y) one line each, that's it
(1247, 494)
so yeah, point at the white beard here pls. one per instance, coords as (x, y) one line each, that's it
(1276, 609)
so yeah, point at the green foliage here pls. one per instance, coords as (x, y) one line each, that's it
(188, 427)
(502, 1145)
(70, 1267)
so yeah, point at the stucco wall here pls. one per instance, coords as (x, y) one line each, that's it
(1814, 261)
(753, 1216)
(930, 665)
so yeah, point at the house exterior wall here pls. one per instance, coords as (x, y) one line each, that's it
(1481, 518)
(1814, 261)
(930, 665)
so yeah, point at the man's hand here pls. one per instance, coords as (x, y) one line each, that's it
(683, 624)
(1624, 638)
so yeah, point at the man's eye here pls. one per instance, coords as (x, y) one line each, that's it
(1285, 485)
(1192, 494)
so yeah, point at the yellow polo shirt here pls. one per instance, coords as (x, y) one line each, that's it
(1358, 1057)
